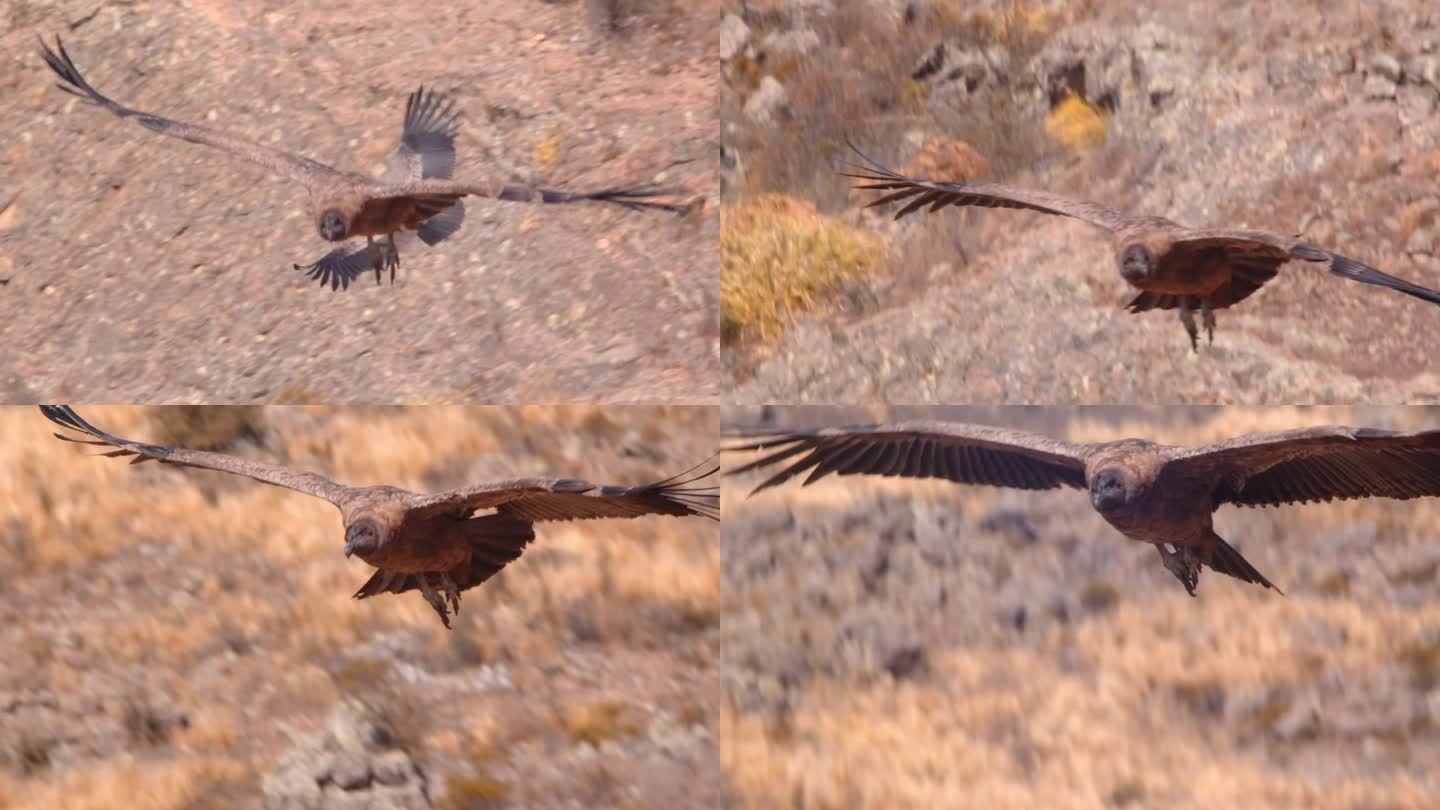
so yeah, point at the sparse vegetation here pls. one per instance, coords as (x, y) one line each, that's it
(244, 591)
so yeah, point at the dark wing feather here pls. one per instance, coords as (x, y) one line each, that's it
(1318, 464)
(302, 169)
(969, 454)
(937, 194)
(1266, 247)
(309, 483)
(636, 198)
(538, 499)
(427, 138)
(346, 263)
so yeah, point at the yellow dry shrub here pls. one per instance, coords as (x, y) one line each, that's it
(778, 257)
(1076, 123)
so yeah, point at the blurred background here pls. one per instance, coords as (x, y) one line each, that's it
(1321, 119)
(184, 639)
(917, 644)
(138, 268)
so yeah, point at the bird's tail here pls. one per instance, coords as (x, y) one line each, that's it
(1227, 560)
(1346, 267)
(636, 198)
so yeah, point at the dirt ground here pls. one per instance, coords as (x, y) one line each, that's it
(182, 639)
(891, 644)
(140, 268)
(1325, 123)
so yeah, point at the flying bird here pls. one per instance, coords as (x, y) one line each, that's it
(1160, 494)
(416, 194)
(434, 543)
(1173, 266)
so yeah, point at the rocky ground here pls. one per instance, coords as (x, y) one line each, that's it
(898, 645)
(139, 268)
(1325, 123)
(185, 640)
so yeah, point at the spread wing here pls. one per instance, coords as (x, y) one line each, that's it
(427, 138)
(968, 454)
(1318, 464)
(438, 194)
(1256, 252)
(540, 499)
(309, 483)
(938, 194)
(306, 171)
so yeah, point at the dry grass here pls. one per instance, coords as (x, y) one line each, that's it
(169, 572)
(778, 258)
(1133, 703)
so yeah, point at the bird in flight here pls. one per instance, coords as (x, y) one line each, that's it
(417, 193)
(1173, 267)
(434, 543)
(1160, 494)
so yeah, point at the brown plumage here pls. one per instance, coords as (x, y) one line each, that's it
(434, 543)
(1155, 493)
(415, 196)
(1173, 266)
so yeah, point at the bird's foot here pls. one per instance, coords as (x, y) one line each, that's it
(1184, 563)
(377, 258)
(451, 591)
(433, 598)
(1187, 317)
(392, 260)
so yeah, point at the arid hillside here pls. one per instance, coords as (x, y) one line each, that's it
(1321, 119)
(135, 267)
(891, 644)
(182, 639)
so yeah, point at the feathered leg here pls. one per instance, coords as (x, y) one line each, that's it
(433, 598)
(1184, 563)
(392, 256)
(376, 260)
(1187, 317)
(1207, 317)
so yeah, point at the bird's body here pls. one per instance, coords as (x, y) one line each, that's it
(1164, 495)
(434, 543)
(1173, 266)
(416, 197)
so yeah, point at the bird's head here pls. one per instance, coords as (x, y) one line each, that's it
(362, 537)
(333, 225)
(1110, 489)
(1135, 263)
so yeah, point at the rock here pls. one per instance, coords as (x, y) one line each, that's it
(734, 36)
(1302, 720)
(768, 102)
(290, 789)
(1379, 88)
(1424, 70)
(392, 768)
(351, 770)
(352, 727)
(789, 44)
(1386, 65)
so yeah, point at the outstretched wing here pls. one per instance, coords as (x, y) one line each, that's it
(438, 194)
(938, 194)
(538, 499)
(968, 454)
(309, 483)
(1317, 464)
(427, 138)
(304, 170)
